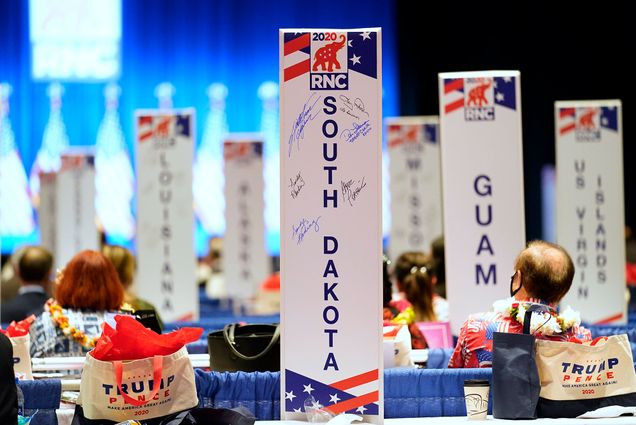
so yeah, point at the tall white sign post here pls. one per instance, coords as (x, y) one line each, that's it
(415, 183)
(165, 217)
(482, 181)
(590, 206)
(67, 207)
(245, 260)
(331, 240)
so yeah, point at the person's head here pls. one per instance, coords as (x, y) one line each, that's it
(403, 266)
(418, 289)
(543, 270)
(437, 257)
(89, 281)
(387, 285)
(34, 266)
(215, 245)
(124, 263)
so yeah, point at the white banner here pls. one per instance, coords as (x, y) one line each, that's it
(331, 240)
(67, 208)
(590, 206)
(165, 217)
(47, 213)
(415, 186)
(482, 180)
(245, 260)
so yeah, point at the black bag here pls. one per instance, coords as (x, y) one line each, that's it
(249, 348)
(515, 378)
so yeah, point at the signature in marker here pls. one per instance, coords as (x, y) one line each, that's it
(351, 189)
(303, 227)
(307, 114)
(358, 130)
(296, 184)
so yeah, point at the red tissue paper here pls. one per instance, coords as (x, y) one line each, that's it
(130, 340)
(19, 329)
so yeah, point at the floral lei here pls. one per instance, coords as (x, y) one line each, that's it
(61, 320)
(546, 322)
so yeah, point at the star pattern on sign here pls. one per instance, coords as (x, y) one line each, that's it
(362, 53)
(604, 121)
(361, 409)
(349, 43)
(182, 125)
(290, 396)
(507, 79)
(499, 97)
(344, 396)
(297, 410)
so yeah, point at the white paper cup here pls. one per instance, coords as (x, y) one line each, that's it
(476, 396)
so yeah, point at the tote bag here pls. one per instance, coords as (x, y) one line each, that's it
(515, 379)
(576, 378)
(22, 356)
(138, 389)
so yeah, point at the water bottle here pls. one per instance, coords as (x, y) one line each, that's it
(20, 398)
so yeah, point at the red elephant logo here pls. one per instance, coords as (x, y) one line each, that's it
(325, 57)
(586, 120)
(477, 95)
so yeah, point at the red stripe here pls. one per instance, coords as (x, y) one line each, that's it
(566, 112)
(352, 403)
(297, 70)
(296, 44)
(453, 85)
(450, 107)
(567, 128)
(610, 319)
(145, 120)
(146, 135)
(186, 317)
(356, 381)
(395, 142)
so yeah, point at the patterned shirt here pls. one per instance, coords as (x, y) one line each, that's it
(48, 340)
(474, 346)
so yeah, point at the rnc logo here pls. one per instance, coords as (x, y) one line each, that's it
(479, 101)
(328, 61)
(588, 128)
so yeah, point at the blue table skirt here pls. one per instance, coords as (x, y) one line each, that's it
(407, 393)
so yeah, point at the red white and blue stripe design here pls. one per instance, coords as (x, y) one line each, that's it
(567, 120)
(357, 394)
(453, 94)
(572, 118)
(233, 150)
(296, 55)
(504, 93)
(151, 126)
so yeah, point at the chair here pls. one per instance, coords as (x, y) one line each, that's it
(437, 334)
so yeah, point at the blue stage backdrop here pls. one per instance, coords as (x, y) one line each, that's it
(191, 44)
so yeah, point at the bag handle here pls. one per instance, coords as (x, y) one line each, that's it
(157, 366)
(597, 340)
(228, 334)
(527, 318)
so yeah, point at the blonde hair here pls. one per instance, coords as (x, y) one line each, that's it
(124, 263)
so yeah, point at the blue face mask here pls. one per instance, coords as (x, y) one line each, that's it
(513, 292)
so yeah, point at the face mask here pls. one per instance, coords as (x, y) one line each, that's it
(513, 292)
